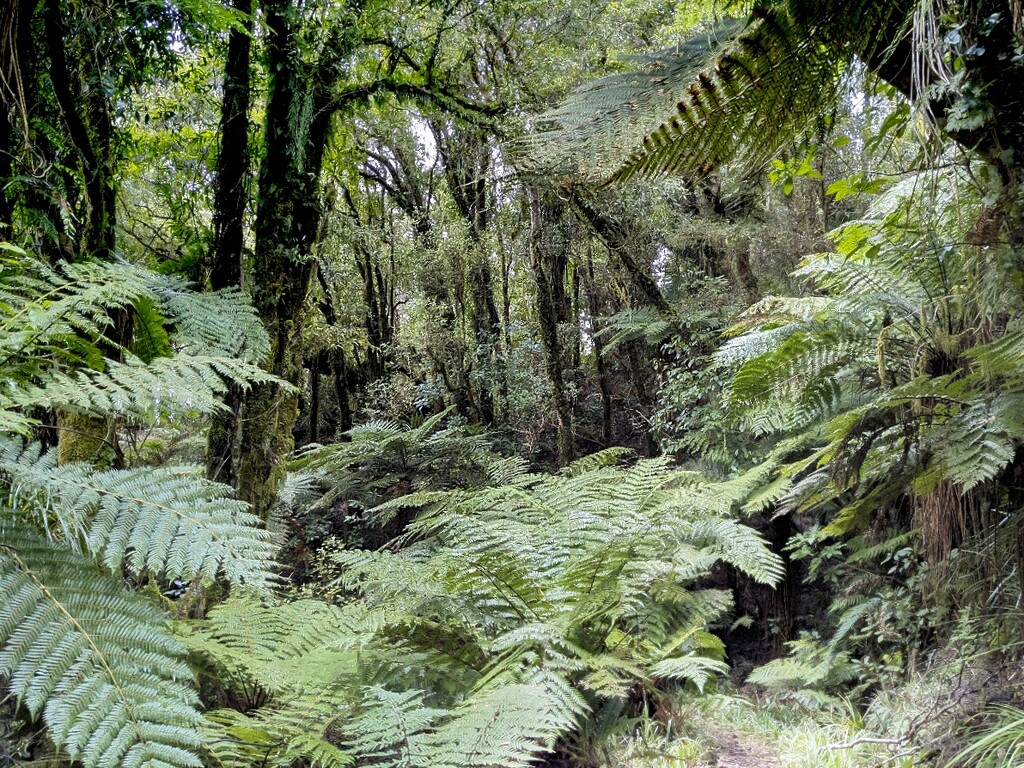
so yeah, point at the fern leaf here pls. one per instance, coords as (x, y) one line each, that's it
(284, 648)
(281, 733)
(392, 729)
(95, 660)
(159, 520)
(698, 669)
(218, 324)
(508, 727)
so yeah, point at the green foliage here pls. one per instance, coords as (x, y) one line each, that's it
(382, 462)
(55, 326)
(645, 324)
(509, 727)
(92, 658)
(899, 368)
(735, 94)
(288, 669)
(589, 575)
(303, 658)
(1001, 744)
(79, 649)
(810, 676)
(166, 522)
(491, 629)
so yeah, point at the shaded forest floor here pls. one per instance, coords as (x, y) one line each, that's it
(744, 729)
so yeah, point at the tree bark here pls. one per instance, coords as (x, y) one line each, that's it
(300, 107)
(547, 250)
(466, 157)
(224, 260)
(602, 374)
(617, 240)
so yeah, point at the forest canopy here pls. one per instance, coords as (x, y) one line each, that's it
(507, 383)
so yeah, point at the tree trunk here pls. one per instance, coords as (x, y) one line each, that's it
(224, 260)
(616, 239)
(298, 119)
(602, 374)
(546, 248)
(467, 158)
(314, 399)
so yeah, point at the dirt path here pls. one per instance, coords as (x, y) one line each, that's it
(738, 750)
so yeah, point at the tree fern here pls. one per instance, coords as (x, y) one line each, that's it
(509, 727)
(383, 456)
(55, 320)
(491, 629)
(285, 648)
(597, 561)
(735, 94)
(886, 368)
(280, 733)
(213, 324)
(393, 728)
(92, 658)
(297, 664)
(162, 521)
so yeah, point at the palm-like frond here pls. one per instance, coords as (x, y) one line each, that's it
(54, 321)
(387, 470)
(505, 615)
(509, 727)
(281, 733)
(602, 552)
(92, 658)
(300, 655)
(733, 95)
(284, 648)
(221, 324)
(162, 521)
(392, 728)
(906, 373)
(164, 388)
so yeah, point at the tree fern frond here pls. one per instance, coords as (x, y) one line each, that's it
(43, 307)
(588, 129)
(645, 324)
(160, 520)
(392, 729)
(218, 324)
(285, 648)
(281, 733)
(608, 457)
(865, 554)
(508, 727)
(94, 659)
(508, 471)
(976, 444)
(697, 669)
(850, 618)
(739, 545)
(164, 387)
(764, 87)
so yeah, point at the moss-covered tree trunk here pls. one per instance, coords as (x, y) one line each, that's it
(547, 257)
(224, 260)
(593, 308)
(299, 111)
(77, 64)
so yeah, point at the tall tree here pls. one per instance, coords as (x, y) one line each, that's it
(548, 251)
(224, 260)
(299, 112)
